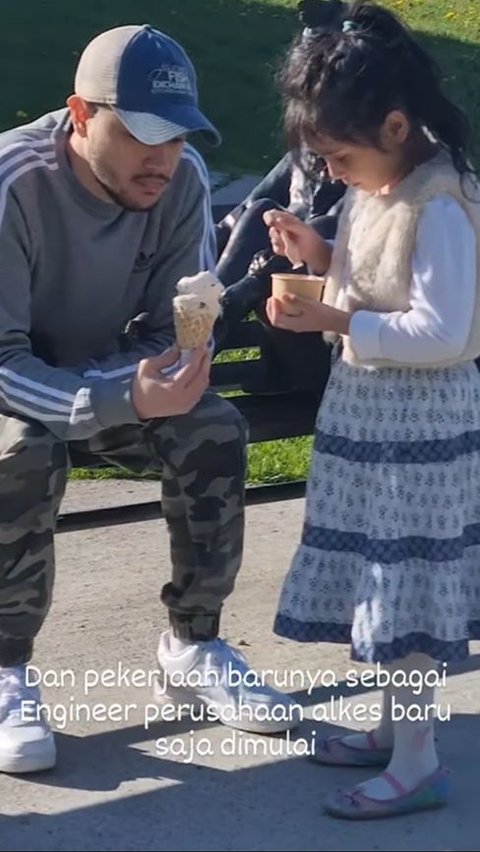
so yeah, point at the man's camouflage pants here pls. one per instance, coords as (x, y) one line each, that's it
(202, 459)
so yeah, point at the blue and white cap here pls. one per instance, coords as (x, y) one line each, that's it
(149, 82)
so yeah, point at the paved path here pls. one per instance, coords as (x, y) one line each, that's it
(120, 786)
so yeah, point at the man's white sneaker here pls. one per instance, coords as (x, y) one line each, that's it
(213, 676)
(26, 741)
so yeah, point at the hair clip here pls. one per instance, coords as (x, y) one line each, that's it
(349, 26)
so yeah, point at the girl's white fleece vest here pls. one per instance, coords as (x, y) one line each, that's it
(376, 239)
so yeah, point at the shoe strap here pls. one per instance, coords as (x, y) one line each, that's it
(399, 788)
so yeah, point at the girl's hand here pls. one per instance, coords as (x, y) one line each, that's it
(294, 313)
(292, 238)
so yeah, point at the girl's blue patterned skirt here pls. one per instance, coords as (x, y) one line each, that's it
(389, 559)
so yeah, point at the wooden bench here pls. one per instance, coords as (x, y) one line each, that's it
(270, 415)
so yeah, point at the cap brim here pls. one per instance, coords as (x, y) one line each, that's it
(153, 130)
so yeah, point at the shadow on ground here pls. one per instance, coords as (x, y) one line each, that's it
(275, 805)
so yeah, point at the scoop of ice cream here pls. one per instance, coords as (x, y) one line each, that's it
(190, 302)
(205, 288)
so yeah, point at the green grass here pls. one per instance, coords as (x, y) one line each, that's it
(234, 46)
(268, 463)
(237, 45)
(279, 461)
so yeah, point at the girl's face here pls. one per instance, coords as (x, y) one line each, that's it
(364, 166)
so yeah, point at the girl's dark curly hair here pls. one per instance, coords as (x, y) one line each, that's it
(359, 65)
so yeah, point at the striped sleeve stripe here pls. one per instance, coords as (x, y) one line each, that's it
(26, 395)
(46, 403)
(73, 417)
(13, 391)
(13, 378)
(20, 400)
(112, 374)
(207, 246)
(25, 164)
(193, 154)
(28, 147)
(7, 166)
(40, 153)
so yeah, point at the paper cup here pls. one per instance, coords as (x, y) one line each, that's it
(309, 286)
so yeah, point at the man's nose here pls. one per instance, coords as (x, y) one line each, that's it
(161, 156)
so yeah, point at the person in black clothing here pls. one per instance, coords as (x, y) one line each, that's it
(299, 183)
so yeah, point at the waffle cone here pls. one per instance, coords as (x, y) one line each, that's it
(193, 326)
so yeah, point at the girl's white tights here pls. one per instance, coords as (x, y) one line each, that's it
(411, 731)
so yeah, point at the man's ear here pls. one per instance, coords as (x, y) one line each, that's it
(80, 112)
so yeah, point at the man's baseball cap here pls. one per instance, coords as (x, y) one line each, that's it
(147, 79)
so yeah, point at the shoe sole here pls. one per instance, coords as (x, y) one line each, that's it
(180, 695)
(428, 798)
(38, 757)
(382, 813)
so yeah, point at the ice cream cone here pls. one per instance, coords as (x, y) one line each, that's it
(193, 321)
(195, 311)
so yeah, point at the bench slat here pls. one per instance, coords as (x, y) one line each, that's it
(270, 417)
(129, 514)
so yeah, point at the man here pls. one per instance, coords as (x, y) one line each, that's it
(103, 207)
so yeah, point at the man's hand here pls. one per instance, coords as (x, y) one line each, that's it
(294, 313)
(157, 395)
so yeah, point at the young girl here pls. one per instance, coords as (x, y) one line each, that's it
(389, 559)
